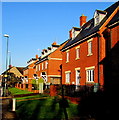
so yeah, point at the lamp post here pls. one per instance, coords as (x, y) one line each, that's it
(9, 59)
(7, 36)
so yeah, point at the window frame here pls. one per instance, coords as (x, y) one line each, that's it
(90, 74)
(90, 52)
(77, 52)
(67, 56)
(67, 77)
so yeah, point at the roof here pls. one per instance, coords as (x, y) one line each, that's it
(114, 19)
(20, 69)
(100, 11)
(46, 57)
(32, 59)
(42, 59)
(89, 30)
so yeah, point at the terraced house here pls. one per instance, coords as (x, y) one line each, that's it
(48, 65)
(87, 55)
(29, 70)
(45, 67)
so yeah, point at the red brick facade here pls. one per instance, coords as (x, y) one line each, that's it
(84, 59)
(82, 63)
(90, 68)
(51, 67)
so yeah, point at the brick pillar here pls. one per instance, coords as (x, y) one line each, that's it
(20, 86)
(24, 86)
(53, 91)
(29, 87)
(16, 85)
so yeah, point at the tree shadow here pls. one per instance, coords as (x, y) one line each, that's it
(62, 105)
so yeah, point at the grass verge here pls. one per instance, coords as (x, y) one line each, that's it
(46, 109)
(16, 91)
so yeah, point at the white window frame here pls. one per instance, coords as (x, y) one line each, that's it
(67, 56)
(90, 74)
(42, 66)
(77, 52)
(90, 47)
(67, 77)
(46, 65)
(39, 67)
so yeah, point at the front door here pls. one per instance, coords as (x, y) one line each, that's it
(44, 76)
(77, 78)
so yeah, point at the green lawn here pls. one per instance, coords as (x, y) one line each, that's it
(43, 108)
(16, 91)
(31, 97)
(47, 109)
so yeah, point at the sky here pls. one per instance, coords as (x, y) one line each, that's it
(33, 26)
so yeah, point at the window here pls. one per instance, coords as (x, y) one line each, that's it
(89, 47)
(96, 19)
(98, 16)
(46, 65)
(68, 76)
(39, 67)
(77, 53)
(67, 56)
(42, 66)
(90, 75)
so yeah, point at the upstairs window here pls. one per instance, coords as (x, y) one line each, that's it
(89, 47)
(98, 16)
(42, 66)
(39, 67)
(67, 56)
(77, 52)
(46, 65)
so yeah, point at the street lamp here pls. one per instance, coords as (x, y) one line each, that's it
(7, 36)
(9, 59)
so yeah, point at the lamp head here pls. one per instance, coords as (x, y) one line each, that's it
(5, 35)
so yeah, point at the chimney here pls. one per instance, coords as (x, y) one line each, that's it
(82, 20)
(36, 56)
(10, 66)
(70, 34)
(54, 43)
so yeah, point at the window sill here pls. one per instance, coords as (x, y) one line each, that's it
(90, 82)
(67, 83)
(77, 58)
(90, 54)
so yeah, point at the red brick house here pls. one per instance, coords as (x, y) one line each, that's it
(28, 73)
(88, 46)
(29, 70)
(48, 65)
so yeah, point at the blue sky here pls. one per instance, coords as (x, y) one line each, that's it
(36, 25)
